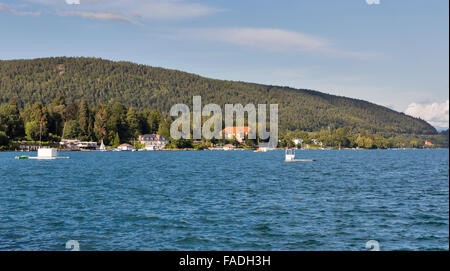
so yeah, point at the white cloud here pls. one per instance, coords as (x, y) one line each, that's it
(105, 16)
(271, 39)
(7, 9)
(437, 114)
(126, 11)
(265, 38)
(152, 10)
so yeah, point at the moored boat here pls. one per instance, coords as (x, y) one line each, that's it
(47, 154)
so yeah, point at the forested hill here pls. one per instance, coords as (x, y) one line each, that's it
(106, 82)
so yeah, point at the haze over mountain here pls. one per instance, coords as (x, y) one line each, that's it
(105, 82)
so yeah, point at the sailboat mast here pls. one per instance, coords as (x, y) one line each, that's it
(40, 133)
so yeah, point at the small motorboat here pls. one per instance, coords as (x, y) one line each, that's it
(290, 157)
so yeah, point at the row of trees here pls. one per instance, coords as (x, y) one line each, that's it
(113, 124)
(348, 138)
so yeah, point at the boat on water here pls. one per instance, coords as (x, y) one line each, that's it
(44, 154)
(102, 146)
(290, 157)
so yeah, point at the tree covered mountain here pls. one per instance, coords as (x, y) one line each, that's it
(106, 82)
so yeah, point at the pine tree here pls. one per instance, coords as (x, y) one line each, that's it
(10, 120)
(117, 121)
(100, 123)
(153, 121)
(116, 141)
(36, 119)
(72, 130)
(84, 119)
(134, 124)
(164, 128)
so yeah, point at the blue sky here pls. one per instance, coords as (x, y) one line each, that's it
(395, 53)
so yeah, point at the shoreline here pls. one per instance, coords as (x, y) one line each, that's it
(277, 149)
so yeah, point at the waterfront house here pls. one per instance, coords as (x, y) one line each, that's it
(297, 141)
(29, 147)
(125, 147)
(69, 144)
(316, 142)
(153, 141)
(237, 133)
(75, 144)
(88, 145)
(428, 144)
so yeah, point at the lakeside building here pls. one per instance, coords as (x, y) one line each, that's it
(153, 141)
(125, 147)
(29, 147)
(428, 144)
(75, 144)
(236, 132)
(317, 142)
(297, 141)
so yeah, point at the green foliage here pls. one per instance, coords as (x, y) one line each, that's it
(115, 125)
(134, 122)
(153, 121)
(348, 138)
(164, 128)
(4, 140)
(33, 130)
(117, 121)
(100, 123)
(95, 99)
(72, 130)
(182, 143)
(106, 82)
(84, 120)
(10, 120)
(116, 140)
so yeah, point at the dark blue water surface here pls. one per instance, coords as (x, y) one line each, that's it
(235, 200)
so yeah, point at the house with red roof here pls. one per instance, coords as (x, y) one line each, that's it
(237, 133)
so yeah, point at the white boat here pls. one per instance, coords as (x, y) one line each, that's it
(290, 157)
(102, 146)
(47, 154)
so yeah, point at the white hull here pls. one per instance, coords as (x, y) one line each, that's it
(48, 158)
(48, 154)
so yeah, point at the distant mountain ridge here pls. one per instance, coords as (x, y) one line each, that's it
(105, 82)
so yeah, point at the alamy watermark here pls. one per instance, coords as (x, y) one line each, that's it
(373, 245)
(72, 2)
(73, 245)
(373, 2)
(212, 127)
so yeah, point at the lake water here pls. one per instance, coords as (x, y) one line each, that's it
(235, 200)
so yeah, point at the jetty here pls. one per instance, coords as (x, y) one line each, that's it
(290, 157)
(47, 154)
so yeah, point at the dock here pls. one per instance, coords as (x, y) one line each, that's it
(300, 160)
(290, 157)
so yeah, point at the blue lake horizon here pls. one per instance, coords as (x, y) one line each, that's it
(226, 200)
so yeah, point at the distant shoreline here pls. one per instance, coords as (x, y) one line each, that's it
(278, 149)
